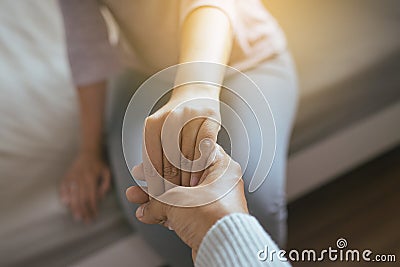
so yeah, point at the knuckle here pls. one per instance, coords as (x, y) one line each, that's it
(170, 171)
(175, 115)
(208, 135)
(186, 109)
(178, 110)
(210, 112)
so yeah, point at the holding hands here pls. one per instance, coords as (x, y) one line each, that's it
(220, 197)
(178, 138)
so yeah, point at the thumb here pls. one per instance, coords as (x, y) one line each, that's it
(152, 212)
(194, 255)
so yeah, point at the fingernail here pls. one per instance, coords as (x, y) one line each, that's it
(140, 211)
(194, 180)
(166, 224)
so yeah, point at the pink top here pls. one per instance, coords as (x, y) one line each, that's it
(151, 29)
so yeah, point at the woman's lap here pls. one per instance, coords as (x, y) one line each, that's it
(277, 80)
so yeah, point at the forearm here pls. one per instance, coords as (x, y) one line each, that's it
(207, 37)
(91, 106)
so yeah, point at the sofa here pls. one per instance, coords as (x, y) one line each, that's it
(348, 59)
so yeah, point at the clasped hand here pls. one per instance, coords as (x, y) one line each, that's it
(178, 140)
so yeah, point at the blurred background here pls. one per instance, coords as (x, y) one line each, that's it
(344, 159)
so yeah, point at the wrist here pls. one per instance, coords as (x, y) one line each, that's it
(207, 218)
(190, 91)
(91, 151)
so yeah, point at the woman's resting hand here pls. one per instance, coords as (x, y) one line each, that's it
(85, 183)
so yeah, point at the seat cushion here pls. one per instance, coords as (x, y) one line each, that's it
(348, 56)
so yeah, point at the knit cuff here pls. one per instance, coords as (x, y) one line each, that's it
(236, 240)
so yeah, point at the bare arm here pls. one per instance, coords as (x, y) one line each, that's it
(91, 104)
(206, 36)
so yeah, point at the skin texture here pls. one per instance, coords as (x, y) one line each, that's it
(192, 223)
(88, 178)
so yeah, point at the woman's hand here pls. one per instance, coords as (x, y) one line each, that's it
(85, 183)
(174, 133)
(206, 36)
(88, 178)
(192, 223)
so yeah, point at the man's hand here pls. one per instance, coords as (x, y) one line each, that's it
(192, 223)
(85, 183)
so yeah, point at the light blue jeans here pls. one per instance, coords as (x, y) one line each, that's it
(277, 80)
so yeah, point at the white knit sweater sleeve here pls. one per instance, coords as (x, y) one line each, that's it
(238, 240)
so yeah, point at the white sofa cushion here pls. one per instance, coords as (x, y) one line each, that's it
(39, 126)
